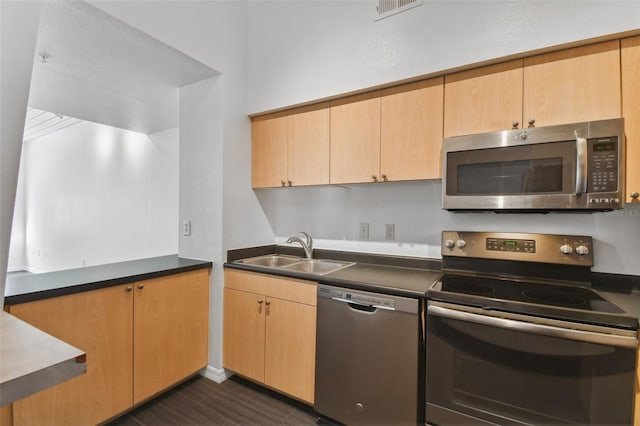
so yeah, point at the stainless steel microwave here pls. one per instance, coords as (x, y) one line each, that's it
(577, 166)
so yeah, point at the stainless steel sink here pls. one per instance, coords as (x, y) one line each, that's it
(317, 266)
(294, 263)
(271, 260)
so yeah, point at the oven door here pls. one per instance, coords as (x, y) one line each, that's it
(485, 369)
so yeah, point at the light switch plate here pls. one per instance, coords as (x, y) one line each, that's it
(364, 231)
(389, 231)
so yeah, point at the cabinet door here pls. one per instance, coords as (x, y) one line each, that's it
(243, 333)
(631, 112)
(171, 330)
(269, 151)
(573, 85)
(411, 131)
(100, 323)
(290, 348)
(481, 100)
(308, 146)
(355, 139)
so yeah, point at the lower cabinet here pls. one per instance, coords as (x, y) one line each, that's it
(636, 416)
(140, 339)
(270, 331)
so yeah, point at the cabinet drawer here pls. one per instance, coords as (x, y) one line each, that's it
(300, 291)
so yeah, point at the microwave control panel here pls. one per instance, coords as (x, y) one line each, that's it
(603, 165)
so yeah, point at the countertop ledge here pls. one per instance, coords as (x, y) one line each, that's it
(31, 287)
(33, 360)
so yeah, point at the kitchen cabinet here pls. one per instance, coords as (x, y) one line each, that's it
(483, 99)
(636, 417)
(98, 322)
(171, 330)
(630, 58)
(355, 139)
(140, 338)
(291, 148)
(389, 135)
(411, 131)
(269, 331)
(572, 85)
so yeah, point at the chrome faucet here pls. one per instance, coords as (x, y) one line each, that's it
(308, 246)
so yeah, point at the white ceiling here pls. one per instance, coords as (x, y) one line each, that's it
(103, 70)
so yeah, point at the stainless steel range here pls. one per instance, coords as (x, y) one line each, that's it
(516, 335)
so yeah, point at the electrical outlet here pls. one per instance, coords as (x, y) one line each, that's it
(389, 231)
(364, 231)
(186, 228)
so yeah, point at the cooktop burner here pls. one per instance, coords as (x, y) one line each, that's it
(567, 296)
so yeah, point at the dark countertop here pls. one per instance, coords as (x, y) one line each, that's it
(394, 275)
(30, 287)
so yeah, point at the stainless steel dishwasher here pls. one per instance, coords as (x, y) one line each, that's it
(368, 357)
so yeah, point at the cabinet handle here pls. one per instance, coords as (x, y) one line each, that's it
(374, 177)
(129, 288)
(289, 183)
(260, 301)
(515, 124)
(140, 286)
(634, 195)
(531, 122)
(384, 178)
(282, 182)
(268, 302)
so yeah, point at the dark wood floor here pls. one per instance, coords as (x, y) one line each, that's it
(200, 401)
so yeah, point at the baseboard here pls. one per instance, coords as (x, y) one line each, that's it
(218, 375)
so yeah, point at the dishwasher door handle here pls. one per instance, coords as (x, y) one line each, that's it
(364, 305)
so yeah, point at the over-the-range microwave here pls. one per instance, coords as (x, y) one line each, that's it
(577, 166)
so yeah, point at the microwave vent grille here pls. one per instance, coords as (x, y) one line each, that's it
(388, 8)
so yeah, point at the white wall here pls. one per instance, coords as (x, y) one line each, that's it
(332, 215)
(95, 194)
(18, 31)
(300, 51)
(215, 190)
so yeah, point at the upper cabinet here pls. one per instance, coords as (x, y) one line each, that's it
(481, 100)
(291, 148)
(391, 135)
(567, 86)
(573, 85)
(631, 112)
(355, 139)
(411, 131)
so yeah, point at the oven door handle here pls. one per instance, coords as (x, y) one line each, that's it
(581, 164)
(528, 327)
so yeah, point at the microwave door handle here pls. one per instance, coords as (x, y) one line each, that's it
(581, 164)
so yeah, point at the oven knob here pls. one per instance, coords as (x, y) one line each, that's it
(449, 244)
(566, 249)
(461, 244)
(582, 250)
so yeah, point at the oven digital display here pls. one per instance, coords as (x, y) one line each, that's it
(518, 246)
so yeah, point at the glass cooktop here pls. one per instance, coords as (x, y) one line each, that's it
(570, 302)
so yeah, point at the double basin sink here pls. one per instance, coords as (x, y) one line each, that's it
(294, 263)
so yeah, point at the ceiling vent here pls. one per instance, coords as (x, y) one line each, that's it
(388, 8)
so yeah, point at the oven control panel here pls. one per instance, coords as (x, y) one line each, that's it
(511, 245)
(543, 248)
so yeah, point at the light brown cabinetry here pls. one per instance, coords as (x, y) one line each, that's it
(170, 329)
(291, 148)
(571, 85)
(355, 139)
(391, 135)
(100, 323)
(630, 58)
(411, 131)
(636, 416)
(140, 338)
(484, 99)
(269, 331)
